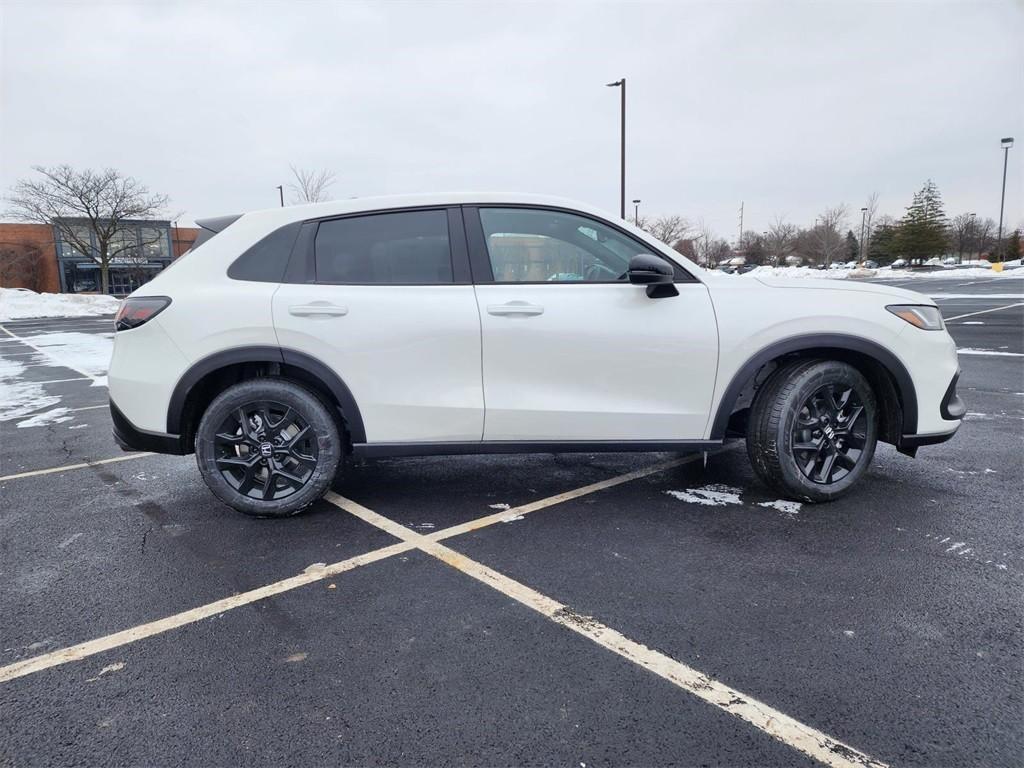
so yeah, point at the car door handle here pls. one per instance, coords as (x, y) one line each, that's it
(515, 308)
(317, 309)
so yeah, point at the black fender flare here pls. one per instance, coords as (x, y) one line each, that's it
(809, 342)
(266, 354)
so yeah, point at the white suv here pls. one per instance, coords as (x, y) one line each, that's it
(404, 326)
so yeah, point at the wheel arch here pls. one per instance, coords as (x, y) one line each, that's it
(887, 375)
(206, 378)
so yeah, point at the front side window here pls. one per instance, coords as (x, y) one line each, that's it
(408, 247)
(534, 246)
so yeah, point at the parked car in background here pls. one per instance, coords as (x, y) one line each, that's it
(423, 325)
(900, 264)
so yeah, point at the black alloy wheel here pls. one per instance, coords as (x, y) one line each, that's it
(829, 434)
(266, 450)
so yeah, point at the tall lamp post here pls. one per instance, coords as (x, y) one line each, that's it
(636, 212)
(863, 215)
(280, 192)
(622, 141)
(1005, 144)
(970, 225)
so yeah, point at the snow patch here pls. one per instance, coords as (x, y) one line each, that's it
(788, 507)
(54, 416)
(499, 506)
(18, 304)
(511, 518)
(709, 495)
(18, 399)
(87, 353)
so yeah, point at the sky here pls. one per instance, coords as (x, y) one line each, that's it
(786, 107)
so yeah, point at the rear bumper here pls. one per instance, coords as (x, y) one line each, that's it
(131, 438)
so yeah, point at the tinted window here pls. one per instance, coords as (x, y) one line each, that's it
(407, 247)
(265, 262)
(552, 246)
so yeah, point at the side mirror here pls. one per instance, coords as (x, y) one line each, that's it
(654, 272)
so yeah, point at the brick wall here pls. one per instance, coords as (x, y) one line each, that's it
(28, 257)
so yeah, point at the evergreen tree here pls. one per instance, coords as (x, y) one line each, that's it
(852, 246)
(882, 247)
(922, 231)
(1011, 248)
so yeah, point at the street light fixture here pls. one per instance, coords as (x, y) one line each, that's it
(1005, 144)
(636, 212)
(622, 141)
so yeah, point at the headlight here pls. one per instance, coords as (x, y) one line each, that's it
(924, 317)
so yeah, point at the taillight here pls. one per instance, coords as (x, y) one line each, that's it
(142, 309)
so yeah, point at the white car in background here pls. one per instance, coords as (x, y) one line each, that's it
(404, 326)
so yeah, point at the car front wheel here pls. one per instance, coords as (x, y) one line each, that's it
(813, 429)
(268, 447)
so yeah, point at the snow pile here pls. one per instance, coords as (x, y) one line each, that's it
(709, 495)
(18, 303)
(842, 274)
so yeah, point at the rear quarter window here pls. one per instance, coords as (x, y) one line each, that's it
(266, 261)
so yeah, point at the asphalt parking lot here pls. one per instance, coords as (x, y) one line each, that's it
(583, 610)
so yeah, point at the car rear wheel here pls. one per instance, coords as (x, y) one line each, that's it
(813, 429)
(268, 447)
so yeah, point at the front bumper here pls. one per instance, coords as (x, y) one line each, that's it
(131, 438)
(951, 408)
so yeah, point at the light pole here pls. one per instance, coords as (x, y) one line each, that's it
(1005, 144)
(863, 215)
(970, 238)
(636, 212)
(622, 142)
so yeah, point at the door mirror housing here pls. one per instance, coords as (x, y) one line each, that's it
(654, 272)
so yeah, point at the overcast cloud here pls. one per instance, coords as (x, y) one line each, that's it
(787, 107)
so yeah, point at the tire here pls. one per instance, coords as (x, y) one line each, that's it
(268, 447)
(806, 412)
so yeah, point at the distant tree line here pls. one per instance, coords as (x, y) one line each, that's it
(923, 232)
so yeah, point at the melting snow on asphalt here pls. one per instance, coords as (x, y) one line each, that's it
(54, 416)
(88, 353)
(788, 507)
(709, 495)
(724, 495)
(19, 399)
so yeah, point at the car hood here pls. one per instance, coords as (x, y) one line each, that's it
(849, 284)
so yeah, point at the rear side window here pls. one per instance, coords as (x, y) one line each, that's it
(266, 261)
(408, 247)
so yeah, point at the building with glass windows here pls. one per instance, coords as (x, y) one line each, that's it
(44, 258)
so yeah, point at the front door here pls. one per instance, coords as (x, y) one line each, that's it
(571, 350)
(391, 310)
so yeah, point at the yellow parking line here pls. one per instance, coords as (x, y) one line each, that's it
(69, 467)
(804, 738)
(92, 647)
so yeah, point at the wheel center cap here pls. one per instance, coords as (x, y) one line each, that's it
(266, 450)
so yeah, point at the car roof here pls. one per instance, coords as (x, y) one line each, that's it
(303, 212)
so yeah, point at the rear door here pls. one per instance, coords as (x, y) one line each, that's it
(385, 300)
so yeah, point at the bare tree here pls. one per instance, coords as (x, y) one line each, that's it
(780, 240)
(668, 229)
(90, 206)
(869, 219)
(310, 186)
(704, 241)
(828, 229)
(960, 227)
